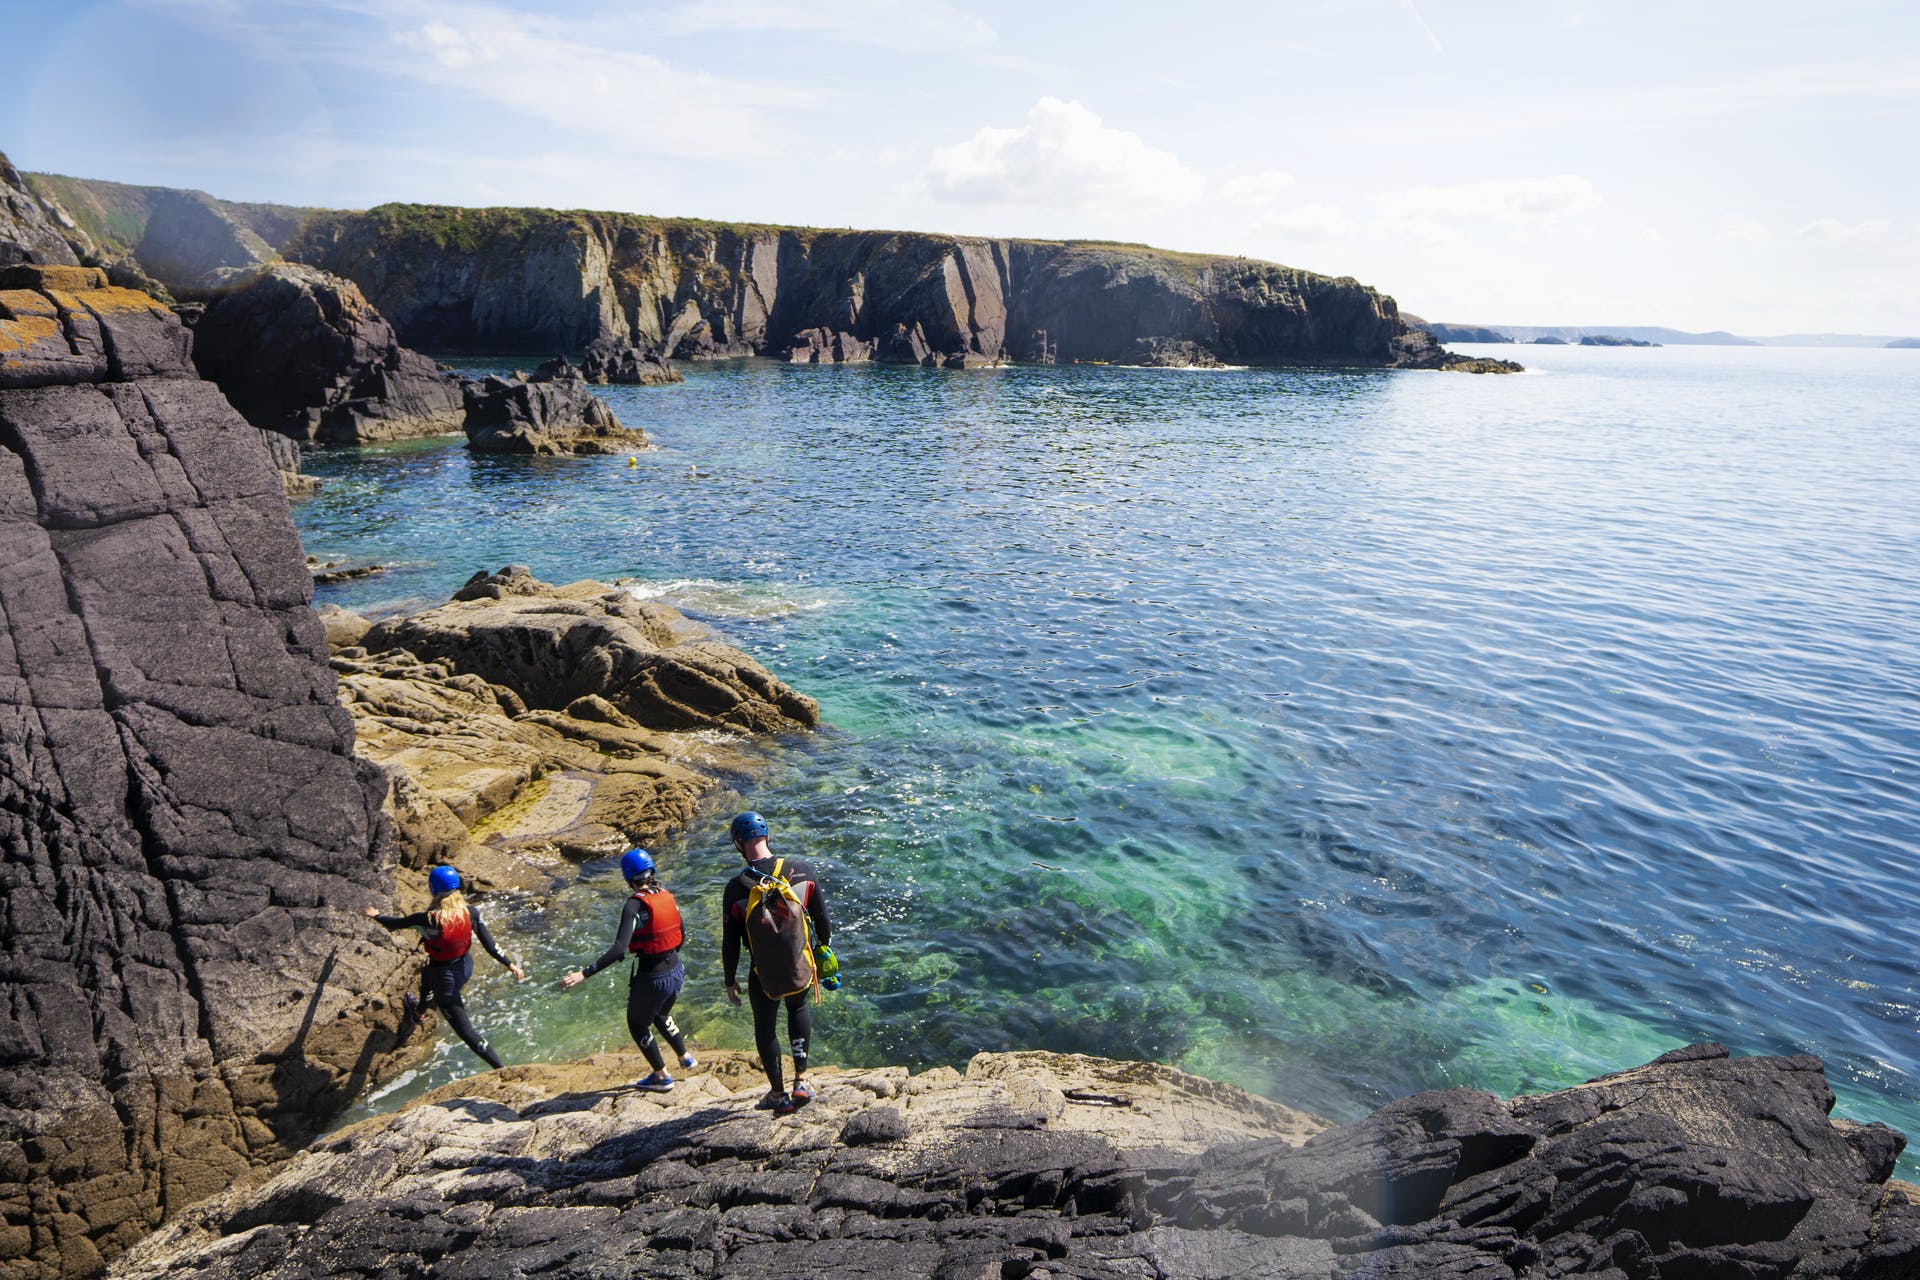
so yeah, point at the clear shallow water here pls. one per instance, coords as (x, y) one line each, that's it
(1339, 734)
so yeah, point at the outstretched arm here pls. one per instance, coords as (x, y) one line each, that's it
(418, 920)
(486, 940)
(629, 919)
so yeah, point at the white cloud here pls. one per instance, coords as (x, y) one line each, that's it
(591, 82)
(1506, 200)
(928, 25)
(1063, 156)
(1834, 229)
(1653, 235)
(449, 46)
(1308, 222)
(1254, 188)
(1738, 228)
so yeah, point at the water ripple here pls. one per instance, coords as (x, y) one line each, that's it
(1339, 733)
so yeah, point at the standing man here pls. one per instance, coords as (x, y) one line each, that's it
(770, 905)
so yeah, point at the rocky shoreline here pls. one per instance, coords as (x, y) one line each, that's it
(1043, 1165)
(204, 782)
(524, 723)
(190, 833)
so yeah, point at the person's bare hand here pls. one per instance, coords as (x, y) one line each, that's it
(572, 980)
(371, 912)
(519, 974)
(733, 993)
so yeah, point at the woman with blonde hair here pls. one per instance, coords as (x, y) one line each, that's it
(447, 929)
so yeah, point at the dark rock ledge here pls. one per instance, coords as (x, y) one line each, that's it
(1695, 1167)
(186, 837)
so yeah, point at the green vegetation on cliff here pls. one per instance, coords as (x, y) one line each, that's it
(543, 280)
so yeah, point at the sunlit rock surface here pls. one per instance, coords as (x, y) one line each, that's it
(186, 986)
(1041, 1165)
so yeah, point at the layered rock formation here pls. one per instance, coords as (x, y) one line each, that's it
(454, 279)
(1418, 349)
(186, 989)
(551, 412)
(547, 720)
(1038, 1165)
(303, 353)
(556, 645)
(536, 280)
(608, 360)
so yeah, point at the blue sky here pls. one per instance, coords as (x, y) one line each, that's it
(1702, 165)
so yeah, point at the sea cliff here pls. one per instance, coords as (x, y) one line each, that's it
(541, 281)
(188, 834)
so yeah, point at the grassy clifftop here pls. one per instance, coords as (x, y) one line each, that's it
(545, 280)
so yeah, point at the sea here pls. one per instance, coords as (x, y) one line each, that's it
(1336, 733)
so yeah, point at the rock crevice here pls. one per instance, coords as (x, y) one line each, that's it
(186, 991)
(1043, 1165)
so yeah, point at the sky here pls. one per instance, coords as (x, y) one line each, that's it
(1702, 165)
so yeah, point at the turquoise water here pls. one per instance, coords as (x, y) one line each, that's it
(1339, 734)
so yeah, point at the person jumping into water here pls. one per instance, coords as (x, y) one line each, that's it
(763, 906)
(447, 929)
(651, 932)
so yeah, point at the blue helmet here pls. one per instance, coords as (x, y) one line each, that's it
(635, 863)
(747, 826)
(443, 879)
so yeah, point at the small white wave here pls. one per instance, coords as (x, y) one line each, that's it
(726, 599)
(394, 1085)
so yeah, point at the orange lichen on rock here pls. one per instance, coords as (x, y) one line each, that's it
(42, 276)
(115, 299)
(17, 304)
(61, 325)
(26, 332)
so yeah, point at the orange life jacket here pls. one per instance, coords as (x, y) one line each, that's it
(664, 931)
(452, 942)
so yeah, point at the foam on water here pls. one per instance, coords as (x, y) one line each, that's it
(706, 597)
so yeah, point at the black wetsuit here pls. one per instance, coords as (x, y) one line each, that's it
(765, 1008)
(441, 980)
(652, 989)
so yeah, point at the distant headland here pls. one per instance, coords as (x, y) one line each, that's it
(540, 281)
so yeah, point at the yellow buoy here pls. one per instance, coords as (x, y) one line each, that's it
(632, 461)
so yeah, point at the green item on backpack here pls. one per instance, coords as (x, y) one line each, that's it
(778, 937)
(828, 965)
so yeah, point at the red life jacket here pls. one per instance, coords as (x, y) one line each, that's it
(664, 931)
(452, 942)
